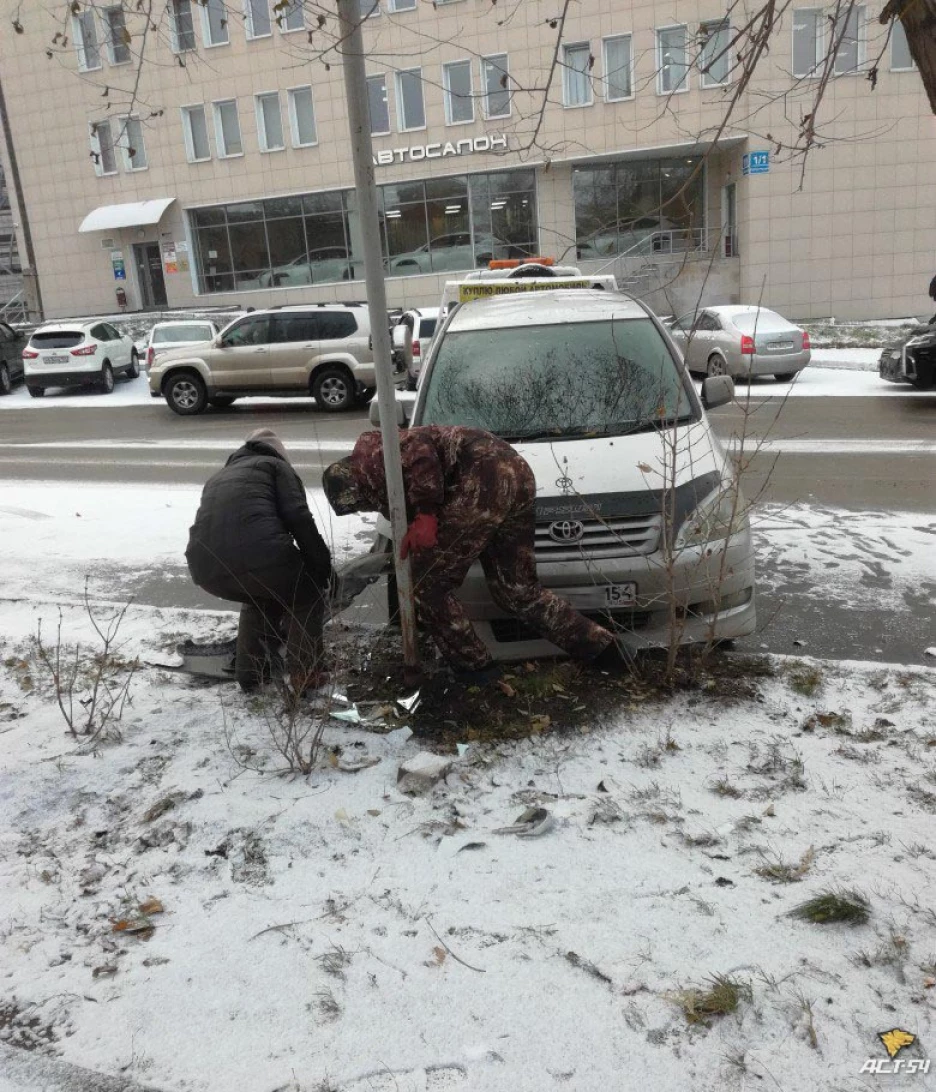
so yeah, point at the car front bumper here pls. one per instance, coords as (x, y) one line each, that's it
(891, 366)
(705, 593)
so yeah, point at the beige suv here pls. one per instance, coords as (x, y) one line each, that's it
(323, 350)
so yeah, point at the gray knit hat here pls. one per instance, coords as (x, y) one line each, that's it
(268, 436)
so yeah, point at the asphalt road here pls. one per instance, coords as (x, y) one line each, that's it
(858, 454)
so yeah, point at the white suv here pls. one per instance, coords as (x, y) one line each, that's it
(411, 349)
(639, 522)
(320, 349)
(71, 354)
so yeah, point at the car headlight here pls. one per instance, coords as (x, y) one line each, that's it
(720, 515)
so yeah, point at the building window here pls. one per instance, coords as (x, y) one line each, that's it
(195, 133)
(672, 65)
(290, 17)
(409, 95)
(269, 122)
(617, 68)
(118, 40)
(807, 40)
(715, 59)
(102, 148)
(301, 117)
(495, 79)
(462, 222)
(442, 224)
(639, 206)
(576, 79)
(132, 144)
(367, 9)
(901, 61)
(402, 5)
(257, 18)
(215, 23)
(848, 31)
(86, 41)
(379, 105)
(183, 26)
(227, 129)
(459, 101)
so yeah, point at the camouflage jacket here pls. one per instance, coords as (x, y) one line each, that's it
(437, 460)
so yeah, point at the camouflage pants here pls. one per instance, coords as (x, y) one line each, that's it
(492, 520)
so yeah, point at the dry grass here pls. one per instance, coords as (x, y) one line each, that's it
(780, 871)
(720, 996)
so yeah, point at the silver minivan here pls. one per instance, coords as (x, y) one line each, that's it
(640, 521)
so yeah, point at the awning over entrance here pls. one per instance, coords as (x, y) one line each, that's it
(131, 214)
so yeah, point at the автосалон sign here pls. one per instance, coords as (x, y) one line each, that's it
(440, 150)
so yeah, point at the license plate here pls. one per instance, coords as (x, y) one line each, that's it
(781, 346)
(620, 595)
(55, 359)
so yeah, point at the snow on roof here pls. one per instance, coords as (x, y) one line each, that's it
(546, 308)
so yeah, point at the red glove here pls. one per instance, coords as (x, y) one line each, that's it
(422, 534)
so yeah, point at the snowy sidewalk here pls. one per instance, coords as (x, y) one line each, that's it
(332, 932)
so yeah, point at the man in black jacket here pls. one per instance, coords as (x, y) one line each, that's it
(255, 541)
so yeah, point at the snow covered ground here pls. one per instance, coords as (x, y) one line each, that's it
(331, 932)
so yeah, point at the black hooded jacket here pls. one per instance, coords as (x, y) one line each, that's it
(252, 517)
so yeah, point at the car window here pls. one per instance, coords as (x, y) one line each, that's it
(99, 332)
(749, 321)
(572, 378)
(684, 322)
(334, 325)
(301, 327)
(708, 322)
(168, 335)
(427, 327)
(115, 334)
(57, 339)
(249, 331)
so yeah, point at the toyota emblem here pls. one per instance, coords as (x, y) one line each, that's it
(567, 530)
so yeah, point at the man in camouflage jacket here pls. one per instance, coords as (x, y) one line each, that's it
(469, 497)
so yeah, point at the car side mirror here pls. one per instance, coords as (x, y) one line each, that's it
(373, 413)
(717, 390)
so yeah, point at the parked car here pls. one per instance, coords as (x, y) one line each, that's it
(318, 349)
(637, 501)
(447, 253)
(177, 335)
(418, 325)
(71, 354)
(741, 341)
(912, 359)
(12, 343)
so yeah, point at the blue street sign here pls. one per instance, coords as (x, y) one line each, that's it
(755, 163)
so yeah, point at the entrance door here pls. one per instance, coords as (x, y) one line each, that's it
(730, 220)
(150, 275)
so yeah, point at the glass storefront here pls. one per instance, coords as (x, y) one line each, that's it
(435, 226)
(657, 205)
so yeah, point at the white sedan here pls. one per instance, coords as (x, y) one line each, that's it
(72, 354)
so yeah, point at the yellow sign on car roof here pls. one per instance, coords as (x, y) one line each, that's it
(482, 290)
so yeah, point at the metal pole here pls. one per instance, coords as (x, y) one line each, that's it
(352, 51)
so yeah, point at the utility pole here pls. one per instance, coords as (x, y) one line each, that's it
(362, 154)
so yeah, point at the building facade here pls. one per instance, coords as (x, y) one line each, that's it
(201, 156)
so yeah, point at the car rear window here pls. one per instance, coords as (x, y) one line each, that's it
(168, 335)
(762, 321)
(57, 339)
(542, 382)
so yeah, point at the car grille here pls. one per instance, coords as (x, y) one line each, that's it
(616, 536)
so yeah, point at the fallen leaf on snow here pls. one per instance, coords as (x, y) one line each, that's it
(151, 906)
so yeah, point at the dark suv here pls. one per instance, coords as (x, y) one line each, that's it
(12, 344)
